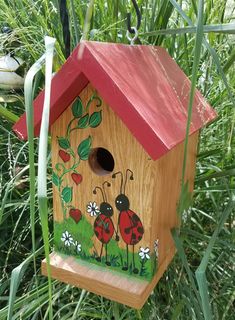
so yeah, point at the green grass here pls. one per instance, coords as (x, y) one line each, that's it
(83, 233)
(206, 239)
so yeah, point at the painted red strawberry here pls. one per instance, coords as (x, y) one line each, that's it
(65, 156)
(75, 214)
(77, 178)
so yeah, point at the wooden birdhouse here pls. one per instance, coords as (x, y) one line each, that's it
(118, 122)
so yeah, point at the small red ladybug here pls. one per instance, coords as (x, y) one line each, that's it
(103, 225)
(129, 224)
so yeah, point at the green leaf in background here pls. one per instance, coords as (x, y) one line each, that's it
(67, 194)
(84, 148)
(77, 108)
(63, 143)
(83, 122)
(95, 119)
(55, 179)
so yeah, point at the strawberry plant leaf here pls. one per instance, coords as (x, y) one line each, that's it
(63, 143)
(77, 108)
(95, 119)
(84, 148)
(67, 194)
(82, 122)
(55, 179)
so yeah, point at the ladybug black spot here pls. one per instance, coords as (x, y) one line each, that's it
(133, 236)
(140, 230)
(127, 230)
(139, 238)
(107, 230)
(135, 217)
(97, 233)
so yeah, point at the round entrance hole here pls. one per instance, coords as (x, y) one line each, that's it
(101, 161)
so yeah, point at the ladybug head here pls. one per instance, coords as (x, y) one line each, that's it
(106, 209)
(122, 202)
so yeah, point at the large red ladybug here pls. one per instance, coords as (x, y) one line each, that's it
(129, 224)
(103, 225)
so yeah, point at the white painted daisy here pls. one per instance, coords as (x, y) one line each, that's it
(144, 253)
(67, 238)
(93, 209)
(156, 243)
(78, 246)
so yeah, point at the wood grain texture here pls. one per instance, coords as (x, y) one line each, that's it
(154, 192)
(167, 189)
(109, 284)
(112, 135)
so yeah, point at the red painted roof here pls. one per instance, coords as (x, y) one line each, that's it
(142, 84)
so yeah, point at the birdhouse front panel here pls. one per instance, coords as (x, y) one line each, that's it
(103, 183)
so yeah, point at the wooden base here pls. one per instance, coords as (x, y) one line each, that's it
(110, 284)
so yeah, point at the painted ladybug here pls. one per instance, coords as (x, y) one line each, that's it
(129, 224)
(103, 225)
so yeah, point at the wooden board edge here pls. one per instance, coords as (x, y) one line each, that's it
(98, 287)
(95, 286)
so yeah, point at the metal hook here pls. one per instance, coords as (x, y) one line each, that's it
(137, 10)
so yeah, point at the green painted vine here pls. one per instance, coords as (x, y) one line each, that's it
(82, 119)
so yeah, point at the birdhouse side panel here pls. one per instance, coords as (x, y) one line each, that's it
(168, 170)
(103, 183)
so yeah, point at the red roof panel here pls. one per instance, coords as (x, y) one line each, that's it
(142, 84)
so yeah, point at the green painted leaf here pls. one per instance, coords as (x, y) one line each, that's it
(95, 119)
(77, 108)
(84, 148)
(83, 122)
(67, 194)
(55, 179)
(63, 143)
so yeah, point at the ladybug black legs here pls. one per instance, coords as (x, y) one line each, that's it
(125, 268)
(99, 258)
(135, 270)
(106, 255)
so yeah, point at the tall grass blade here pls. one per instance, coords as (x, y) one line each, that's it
(210, 49)
(88, 19)
(10, 116)
(196, 60)
(200, 272)
(182, 255)
(228, 28)
(16, 276)
(75, 22)
(28, 91)
(42, 162)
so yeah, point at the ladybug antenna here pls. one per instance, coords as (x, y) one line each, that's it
(95, 192)
(103, 184)
(131, 178)
(114, 176)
